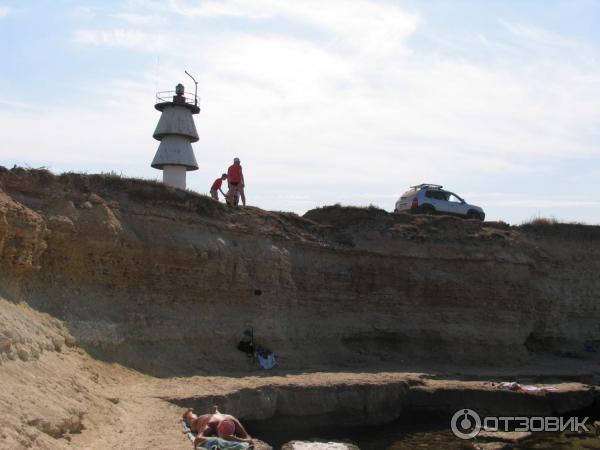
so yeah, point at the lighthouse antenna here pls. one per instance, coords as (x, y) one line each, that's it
(196, 91)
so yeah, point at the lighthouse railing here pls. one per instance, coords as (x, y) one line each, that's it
(167, 97)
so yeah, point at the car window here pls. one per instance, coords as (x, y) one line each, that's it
(454, 198)
(438, 195)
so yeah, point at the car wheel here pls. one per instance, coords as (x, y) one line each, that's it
(427, 209)
(473, 215)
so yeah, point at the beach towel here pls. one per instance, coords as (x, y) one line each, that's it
(214, 443)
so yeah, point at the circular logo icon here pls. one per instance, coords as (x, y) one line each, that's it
(465, 424)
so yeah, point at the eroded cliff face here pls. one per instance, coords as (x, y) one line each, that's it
(166, 281)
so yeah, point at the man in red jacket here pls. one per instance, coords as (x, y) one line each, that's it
(216, 187)
(235, 180)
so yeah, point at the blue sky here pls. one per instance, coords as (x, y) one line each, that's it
(324, 102)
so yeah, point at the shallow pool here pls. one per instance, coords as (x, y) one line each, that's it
(409, 433)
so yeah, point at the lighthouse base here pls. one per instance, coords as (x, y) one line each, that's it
(174, 176)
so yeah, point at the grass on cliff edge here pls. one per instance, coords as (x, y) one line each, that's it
(139, 189)
(538, 220)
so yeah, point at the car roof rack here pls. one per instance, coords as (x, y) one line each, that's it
(427, 185)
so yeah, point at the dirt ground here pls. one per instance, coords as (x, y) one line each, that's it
(69, 400)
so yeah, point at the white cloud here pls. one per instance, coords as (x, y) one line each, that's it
(83, 13)
(548, 44)
(140, 19)
(121, 37)
(4, 11)
(229, 8)
(361, 24)
(16, 104)
(531, 32)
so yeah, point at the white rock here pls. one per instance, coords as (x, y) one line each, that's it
(306, 445)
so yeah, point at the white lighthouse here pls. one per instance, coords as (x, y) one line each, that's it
(176, 131)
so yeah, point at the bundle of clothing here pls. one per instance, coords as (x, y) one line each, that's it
(266, 358)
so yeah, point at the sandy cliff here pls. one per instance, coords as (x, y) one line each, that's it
(141, 274)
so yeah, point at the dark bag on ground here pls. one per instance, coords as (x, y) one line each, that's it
(246, 347)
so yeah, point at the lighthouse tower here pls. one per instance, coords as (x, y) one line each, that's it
(176, 131)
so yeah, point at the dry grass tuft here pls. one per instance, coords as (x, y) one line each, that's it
(541, 221)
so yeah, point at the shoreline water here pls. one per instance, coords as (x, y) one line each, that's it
(426, 432)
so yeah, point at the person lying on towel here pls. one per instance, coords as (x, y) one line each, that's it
(224, 426)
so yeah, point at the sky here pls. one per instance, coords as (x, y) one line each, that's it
(337, 101)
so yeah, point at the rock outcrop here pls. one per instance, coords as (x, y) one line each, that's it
(166, 281)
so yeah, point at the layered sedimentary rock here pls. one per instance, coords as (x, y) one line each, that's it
(167, 281)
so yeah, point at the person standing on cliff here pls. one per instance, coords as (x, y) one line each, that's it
(235, 180)
(216, 187)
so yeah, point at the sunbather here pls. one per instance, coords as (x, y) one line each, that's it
(224, 426)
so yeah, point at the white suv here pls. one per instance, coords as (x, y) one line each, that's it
(432, 199)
